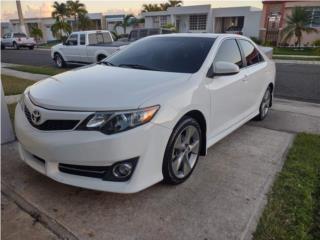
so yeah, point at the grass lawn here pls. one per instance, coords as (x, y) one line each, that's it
(11, 109)
(13, 85)
(291, 51)
(293, 208)
(47, 70)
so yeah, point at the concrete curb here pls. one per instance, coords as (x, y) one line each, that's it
(247, 234)
(297, 61)
(12, 98)
(305, 108)
(48, 222)
(24, 75)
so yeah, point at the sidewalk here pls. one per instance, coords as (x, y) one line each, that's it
(20, 74)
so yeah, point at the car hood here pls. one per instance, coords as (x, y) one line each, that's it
(100, 88)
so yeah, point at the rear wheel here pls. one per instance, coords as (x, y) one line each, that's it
(265, 105)
(182, 152)
(60, 63)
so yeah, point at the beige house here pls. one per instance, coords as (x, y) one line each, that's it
(274, 16)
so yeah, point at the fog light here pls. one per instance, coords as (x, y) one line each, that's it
(122, 170)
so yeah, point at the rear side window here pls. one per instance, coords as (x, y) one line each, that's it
(251, 54)
(154, 32)
(99, 38)
(19, 35)
(143, 33)
(229, 52)
(82, 39)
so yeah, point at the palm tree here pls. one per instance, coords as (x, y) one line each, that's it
(128, 20)
(60, 11)
(299, 22)
(60, 29)
(36, 33)
(85, 22)
(151, 8)
(75, 9)
(171, 3)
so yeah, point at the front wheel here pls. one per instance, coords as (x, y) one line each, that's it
(16, 46)
(265, 105)
(182, 152)
(60, 63)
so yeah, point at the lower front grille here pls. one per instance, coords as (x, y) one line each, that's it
(52, 125)
(87, 171)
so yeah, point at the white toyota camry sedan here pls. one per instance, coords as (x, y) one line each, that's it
(146, 113)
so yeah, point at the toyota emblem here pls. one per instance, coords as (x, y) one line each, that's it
(36, 117)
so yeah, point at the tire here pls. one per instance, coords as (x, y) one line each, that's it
(101, 57)
(182, 152)
(31, 47)
(265, 105)
(58, 59)
(16, 46)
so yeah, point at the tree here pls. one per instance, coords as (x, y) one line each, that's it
(60, 11)
(298, 23)
(171, 3)
(85, 23)
(151, 8)
(36, 33)
(60, 29)
(128, 20)
(75, 9)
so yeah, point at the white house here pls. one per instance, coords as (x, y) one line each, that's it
(203, 18)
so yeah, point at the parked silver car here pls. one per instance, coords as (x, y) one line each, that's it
(17, 40)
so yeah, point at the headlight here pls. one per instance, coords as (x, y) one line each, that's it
(115, 122)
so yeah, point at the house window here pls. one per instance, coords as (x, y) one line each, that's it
(155, 21)
(315, 17)
(163, 20)
(198, 22)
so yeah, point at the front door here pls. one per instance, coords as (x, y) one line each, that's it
(70, 50)
(229, 100)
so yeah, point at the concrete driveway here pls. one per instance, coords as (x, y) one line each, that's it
(220, 201)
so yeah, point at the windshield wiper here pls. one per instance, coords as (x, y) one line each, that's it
(138, 66)
(106, 63)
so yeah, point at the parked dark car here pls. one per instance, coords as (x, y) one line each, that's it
(144, 32)
(234, 30)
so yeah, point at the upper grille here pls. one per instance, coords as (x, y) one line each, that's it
(52, 125)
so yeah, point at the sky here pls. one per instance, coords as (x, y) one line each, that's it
(40, 8)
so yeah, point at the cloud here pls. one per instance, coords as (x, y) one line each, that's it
(44, 10)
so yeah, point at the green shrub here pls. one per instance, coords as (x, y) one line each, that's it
(256, 40)
(316, 43)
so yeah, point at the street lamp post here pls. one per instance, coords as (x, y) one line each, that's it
(20, 15)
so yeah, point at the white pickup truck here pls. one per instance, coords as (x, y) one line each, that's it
(85, 47)
(17, 40)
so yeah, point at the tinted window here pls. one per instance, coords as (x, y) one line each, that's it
(73, 39)
(229, 52)
(168, 54)
(133, 35)
(143, 33)
(82, 39)
(154, 31)
(251, 54)
(19, 35)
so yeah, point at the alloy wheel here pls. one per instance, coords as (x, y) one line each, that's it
(265, 105)
(185, 151)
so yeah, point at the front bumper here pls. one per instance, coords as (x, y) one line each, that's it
(91, 148)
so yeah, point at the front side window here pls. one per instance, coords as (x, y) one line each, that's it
(73, 40)
(198, 22)
(251, 54)
(229, 52)
(167, 54)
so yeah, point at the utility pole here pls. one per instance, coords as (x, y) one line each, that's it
(20, 15)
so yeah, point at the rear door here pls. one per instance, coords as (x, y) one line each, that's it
(256, 72)
(228, 93)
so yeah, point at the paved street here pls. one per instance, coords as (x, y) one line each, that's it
(294, 81)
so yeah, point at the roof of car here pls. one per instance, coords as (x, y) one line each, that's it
(208, 35)
(91, 31)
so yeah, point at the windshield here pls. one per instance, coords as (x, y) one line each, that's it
(167, 54)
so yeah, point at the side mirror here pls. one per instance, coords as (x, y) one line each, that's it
(223, 69)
